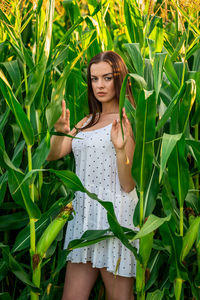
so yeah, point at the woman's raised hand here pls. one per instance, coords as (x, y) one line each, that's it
(63, 123)
(116, 133)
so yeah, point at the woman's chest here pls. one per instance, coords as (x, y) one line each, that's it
(98, 140)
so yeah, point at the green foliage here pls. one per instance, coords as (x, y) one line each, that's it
(43, 59)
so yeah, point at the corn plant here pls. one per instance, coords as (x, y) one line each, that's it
(30, 93)
(43, 57)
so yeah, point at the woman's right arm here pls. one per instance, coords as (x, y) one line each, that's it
(62, 145)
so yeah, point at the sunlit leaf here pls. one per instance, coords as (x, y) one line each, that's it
(156, 33)
(157, 71)
(40, 68)
(53, 110)
(134, 21)
(171, 73)
(136, 58)
(187, 103)
(13, 70)
(179, 46)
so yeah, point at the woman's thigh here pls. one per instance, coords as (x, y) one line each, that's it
(79, 280)
(117, 287)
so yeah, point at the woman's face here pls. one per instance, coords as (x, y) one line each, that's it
(102, 81)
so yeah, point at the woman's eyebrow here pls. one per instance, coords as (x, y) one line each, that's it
(103, 74)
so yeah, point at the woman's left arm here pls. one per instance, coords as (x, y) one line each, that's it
(124, 150)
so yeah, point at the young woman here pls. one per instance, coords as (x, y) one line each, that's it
(103, 164)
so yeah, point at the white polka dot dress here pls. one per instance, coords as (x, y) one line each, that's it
(96, 166)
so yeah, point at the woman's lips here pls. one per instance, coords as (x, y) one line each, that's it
(101, 94)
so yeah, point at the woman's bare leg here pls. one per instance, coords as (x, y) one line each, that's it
(79, 280)
(117, 287)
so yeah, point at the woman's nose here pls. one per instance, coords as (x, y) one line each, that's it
(100, 83)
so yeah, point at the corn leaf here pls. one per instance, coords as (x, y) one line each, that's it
(5, 296)
(136, 58)
(22, 196)
(5, 156)
(178, 170)
(196, 116)
(133, 21)
(145, 132)
(16, 268)
(187, 17)
(66, 36)
(186, 104)
(12, 68)
(146, 243)
(53, 110)
(17, 110)
(3, 188)
(73, 182)
(156, 33)
(171, 73)
(39, 5)
(196, 149)
(153, 222)
(114, 225)
(158, 71)
(171, 107)
(189, 238)
(39, 70)
(168, 143)
(151, 192)
(22, 240)
(13, 221)
(4, 118)
(156, 295)
(179, 46)
(8, 27)
(41, 152)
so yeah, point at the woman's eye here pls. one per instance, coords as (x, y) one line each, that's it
(108, 78)
(93, 79)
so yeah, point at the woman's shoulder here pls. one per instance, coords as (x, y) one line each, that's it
(83, 121)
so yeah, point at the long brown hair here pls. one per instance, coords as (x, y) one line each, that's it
(119, 72)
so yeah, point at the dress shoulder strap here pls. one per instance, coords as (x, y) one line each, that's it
(86, 122)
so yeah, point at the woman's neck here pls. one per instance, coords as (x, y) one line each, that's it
(110, 108)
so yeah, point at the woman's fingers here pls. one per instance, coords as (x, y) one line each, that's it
(126, 124)
(63, 109)
(63, 123)
(124, 115)
(115, 122)
(68, 117)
